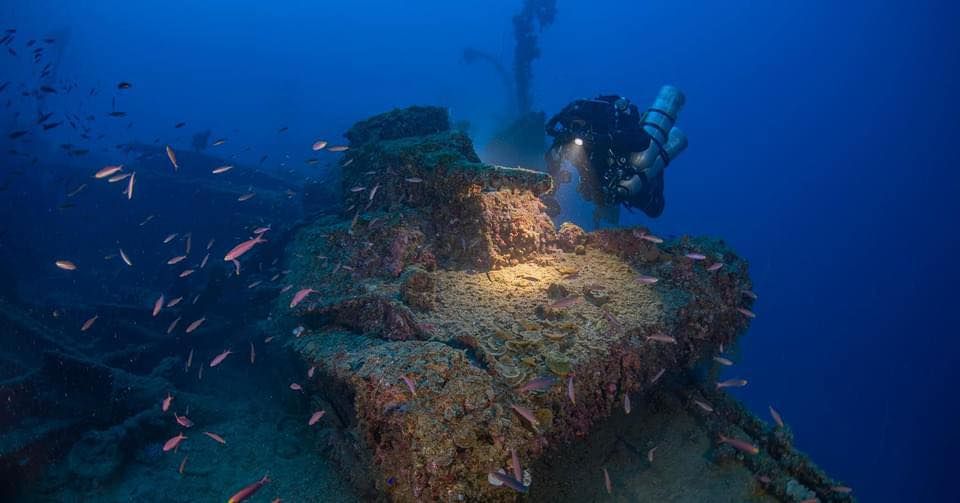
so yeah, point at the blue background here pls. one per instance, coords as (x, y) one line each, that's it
(822, 148)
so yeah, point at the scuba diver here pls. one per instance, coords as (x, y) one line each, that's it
(620, 154)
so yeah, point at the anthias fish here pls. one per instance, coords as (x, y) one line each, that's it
(107, 171)
(732, 383)
(214, 436)
(173, 442)
(242, 248)
(217, 360)
(66, 265)
(315, 417)
(740, 445)
(173, 158)
(538, 384)
(248, 491)
(299, 296)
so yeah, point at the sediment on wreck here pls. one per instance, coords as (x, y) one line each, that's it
(447, 272)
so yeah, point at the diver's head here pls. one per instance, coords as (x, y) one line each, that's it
(622, 104)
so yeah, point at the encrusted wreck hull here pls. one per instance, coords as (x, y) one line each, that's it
(448, 273)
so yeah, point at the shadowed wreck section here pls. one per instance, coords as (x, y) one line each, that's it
(451, 324)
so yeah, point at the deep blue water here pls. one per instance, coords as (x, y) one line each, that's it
(822, 148)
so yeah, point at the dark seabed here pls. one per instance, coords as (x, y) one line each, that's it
(342, 251)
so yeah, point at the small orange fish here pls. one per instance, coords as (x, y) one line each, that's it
(66, 265)
(746, 312)
(651, 238)
(650, 454)
(169, 238)
(183, 420)
(740, 445)
(186, 273)
(125, 258)
(299, 296)
(242, 248)
(195, 325)
(189, 361)
(176, 260)
(413, 179)
(316, 417)
(216, 437)
(723, 361)
(526, 414)
(118, 178)
(222, 169)
(703, 405)
(173, 442)
(183, 463)
(715, 266)
(173, 158)
(217, 360)
(253, 354)
(174, 302)
(296, 387)
(318, 145)
(248, 491)
(89, 323)
(606, 481)
(338, 148)
(732, 383)
(166, 402)
(246, 197)
(130, 182)
(570, 394)
(662, 338)
(158, 305)
(696, 256)
(776, 416)
(107, 171)
(626, 403)
(310, 371)
(410, 385)
(173, 325)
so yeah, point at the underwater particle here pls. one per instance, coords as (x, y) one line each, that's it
(174, 442)
(298, 331)
(410, 385)
(723, 361)
(296, 387)
(176, 260)
(606, 481)
(107, 171)
(222, 169)
(740, 445)
(214, 436)
(643, 279)
(89, 323)
(195, 325)
(217, 360)
(165, 405)
(242, 248)
(157, 306)
(316, 417)
(318, 145)
(746, 312)
(66, 265)
(715, 266)
(662, 338)
(299, 296)
(776, 416)
(173, 158)
(732, 383)
(696, 256)
(658, 376)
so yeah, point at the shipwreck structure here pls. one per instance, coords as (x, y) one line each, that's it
(453, 328)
